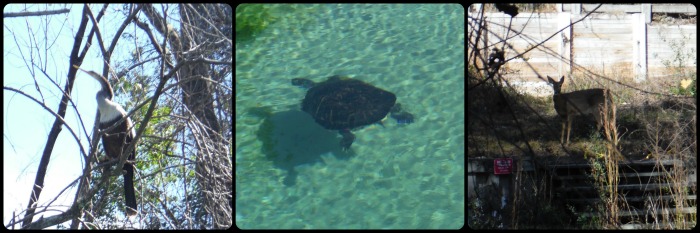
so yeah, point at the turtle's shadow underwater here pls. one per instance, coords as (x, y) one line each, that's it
(296, 140)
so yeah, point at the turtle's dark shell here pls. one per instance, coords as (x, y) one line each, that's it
(345, 103)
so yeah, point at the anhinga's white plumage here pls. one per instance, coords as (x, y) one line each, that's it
(118, 138)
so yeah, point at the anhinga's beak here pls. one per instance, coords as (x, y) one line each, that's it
(78, 67)
(94, 75)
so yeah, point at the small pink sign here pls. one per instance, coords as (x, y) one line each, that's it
(502, 166)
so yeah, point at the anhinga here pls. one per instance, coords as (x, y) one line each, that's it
(118, 138)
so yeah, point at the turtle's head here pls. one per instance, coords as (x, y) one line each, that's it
(302, 82)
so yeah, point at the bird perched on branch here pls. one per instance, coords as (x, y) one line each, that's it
(117, 134)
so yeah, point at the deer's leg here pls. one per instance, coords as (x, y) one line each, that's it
(568, 128)
(563, 127)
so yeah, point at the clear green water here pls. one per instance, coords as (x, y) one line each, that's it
(291, 173)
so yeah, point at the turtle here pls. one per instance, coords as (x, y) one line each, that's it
(344, 104)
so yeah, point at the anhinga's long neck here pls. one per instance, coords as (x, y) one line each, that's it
(106, 91)
(109, 110)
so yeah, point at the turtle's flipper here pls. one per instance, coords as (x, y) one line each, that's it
(347, 140)
(400, 116)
